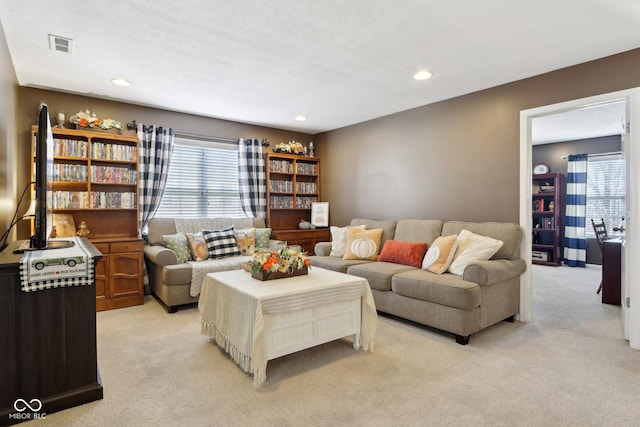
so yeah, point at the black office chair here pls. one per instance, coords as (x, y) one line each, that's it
(600, 230)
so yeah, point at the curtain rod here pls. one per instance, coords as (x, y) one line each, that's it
(613, 153)
(204, 137)
(264, 142)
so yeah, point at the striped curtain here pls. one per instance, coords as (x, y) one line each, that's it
(575, 247)
(156, 145)
(252, 178)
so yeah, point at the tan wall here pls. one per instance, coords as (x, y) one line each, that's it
(27, 113)
(456, 159)
(8, 180)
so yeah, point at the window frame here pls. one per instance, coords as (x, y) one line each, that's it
(207, 196)
(594, 202)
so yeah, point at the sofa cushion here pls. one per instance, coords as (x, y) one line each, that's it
(418, 230)
(339, 240)
(159, 227)
(472, 248)
(440, 254)
(363, 244)
(334, 263)
(262, 238)
(378, 273)
(445, 289)
(221, 243)
(198, 246)
(509, 233)
(178, 244)
(388, 228)
(407, 253)
(246, 239)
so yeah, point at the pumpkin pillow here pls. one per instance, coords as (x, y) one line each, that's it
(198, 246)
(363, 244)
(407, 253)
(440, 254)
(246, 240)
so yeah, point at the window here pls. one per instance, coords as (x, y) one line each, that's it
(606, 191)
(202, 181)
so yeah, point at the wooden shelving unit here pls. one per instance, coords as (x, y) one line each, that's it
(548, 218)
(293, 184)
(95, 181)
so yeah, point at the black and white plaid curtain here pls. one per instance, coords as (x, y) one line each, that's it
(156, 145)
(252, 176)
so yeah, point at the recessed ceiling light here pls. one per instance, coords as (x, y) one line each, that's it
(422, 75)
(301, 118)
(120, 82)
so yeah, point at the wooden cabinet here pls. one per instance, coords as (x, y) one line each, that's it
(305, 238)
(548, 218)
(293, 184)
(47, 344)
(119, 274)
(95, 180)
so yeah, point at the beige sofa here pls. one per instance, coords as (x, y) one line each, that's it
(170, 281)
(486, 293)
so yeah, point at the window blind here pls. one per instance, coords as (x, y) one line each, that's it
(606, 191)
(202, 181)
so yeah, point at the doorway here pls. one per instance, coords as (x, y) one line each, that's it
(631, 314)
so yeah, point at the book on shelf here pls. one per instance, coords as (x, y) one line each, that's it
(280, 166)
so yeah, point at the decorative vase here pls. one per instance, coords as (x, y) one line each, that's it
(304, 225)
(272, 275)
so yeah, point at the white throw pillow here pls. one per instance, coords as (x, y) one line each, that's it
(472, 248)
(339, 240)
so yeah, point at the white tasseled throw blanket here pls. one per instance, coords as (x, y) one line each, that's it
(200, 269)
(233, 305)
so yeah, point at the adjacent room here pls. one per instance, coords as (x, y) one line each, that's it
(318, 213)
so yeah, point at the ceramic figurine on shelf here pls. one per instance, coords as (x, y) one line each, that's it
(83, 231)
(311, 154)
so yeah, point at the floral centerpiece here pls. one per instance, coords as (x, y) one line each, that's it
(89, 120)
(286, 262)
(292, 147)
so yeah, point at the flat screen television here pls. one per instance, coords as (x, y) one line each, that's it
(43, 188)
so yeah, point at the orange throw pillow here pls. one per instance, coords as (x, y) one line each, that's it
(407, 253)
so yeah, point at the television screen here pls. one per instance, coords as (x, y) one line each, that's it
(43, 187)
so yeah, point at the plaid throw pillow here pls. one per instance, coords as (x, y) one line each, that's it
(221, 243)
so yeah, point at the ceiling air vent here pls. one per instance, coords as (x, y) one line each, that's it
(60, 44)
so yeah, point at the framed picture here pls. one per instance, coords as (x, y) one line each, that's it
(320, 214)
(65, 226)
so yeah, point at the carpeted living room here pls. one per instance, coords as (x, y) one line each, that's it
(215, 163)
(569, 366)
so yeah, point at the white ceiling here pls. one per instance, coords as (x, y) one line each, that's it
(336, 62)
(590, 121)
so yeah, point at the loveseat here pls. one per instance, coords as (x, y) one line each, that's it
(481, 294)
(178, 283)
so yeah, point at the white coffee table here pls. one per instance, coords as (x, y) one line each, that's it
(256, 321)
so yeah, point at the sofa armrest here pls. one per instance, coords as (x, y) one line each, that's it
(493, 271)
(322, 248)
(160, 255)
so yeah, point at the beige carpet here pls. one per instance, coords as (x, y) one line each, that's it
(569, 367)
